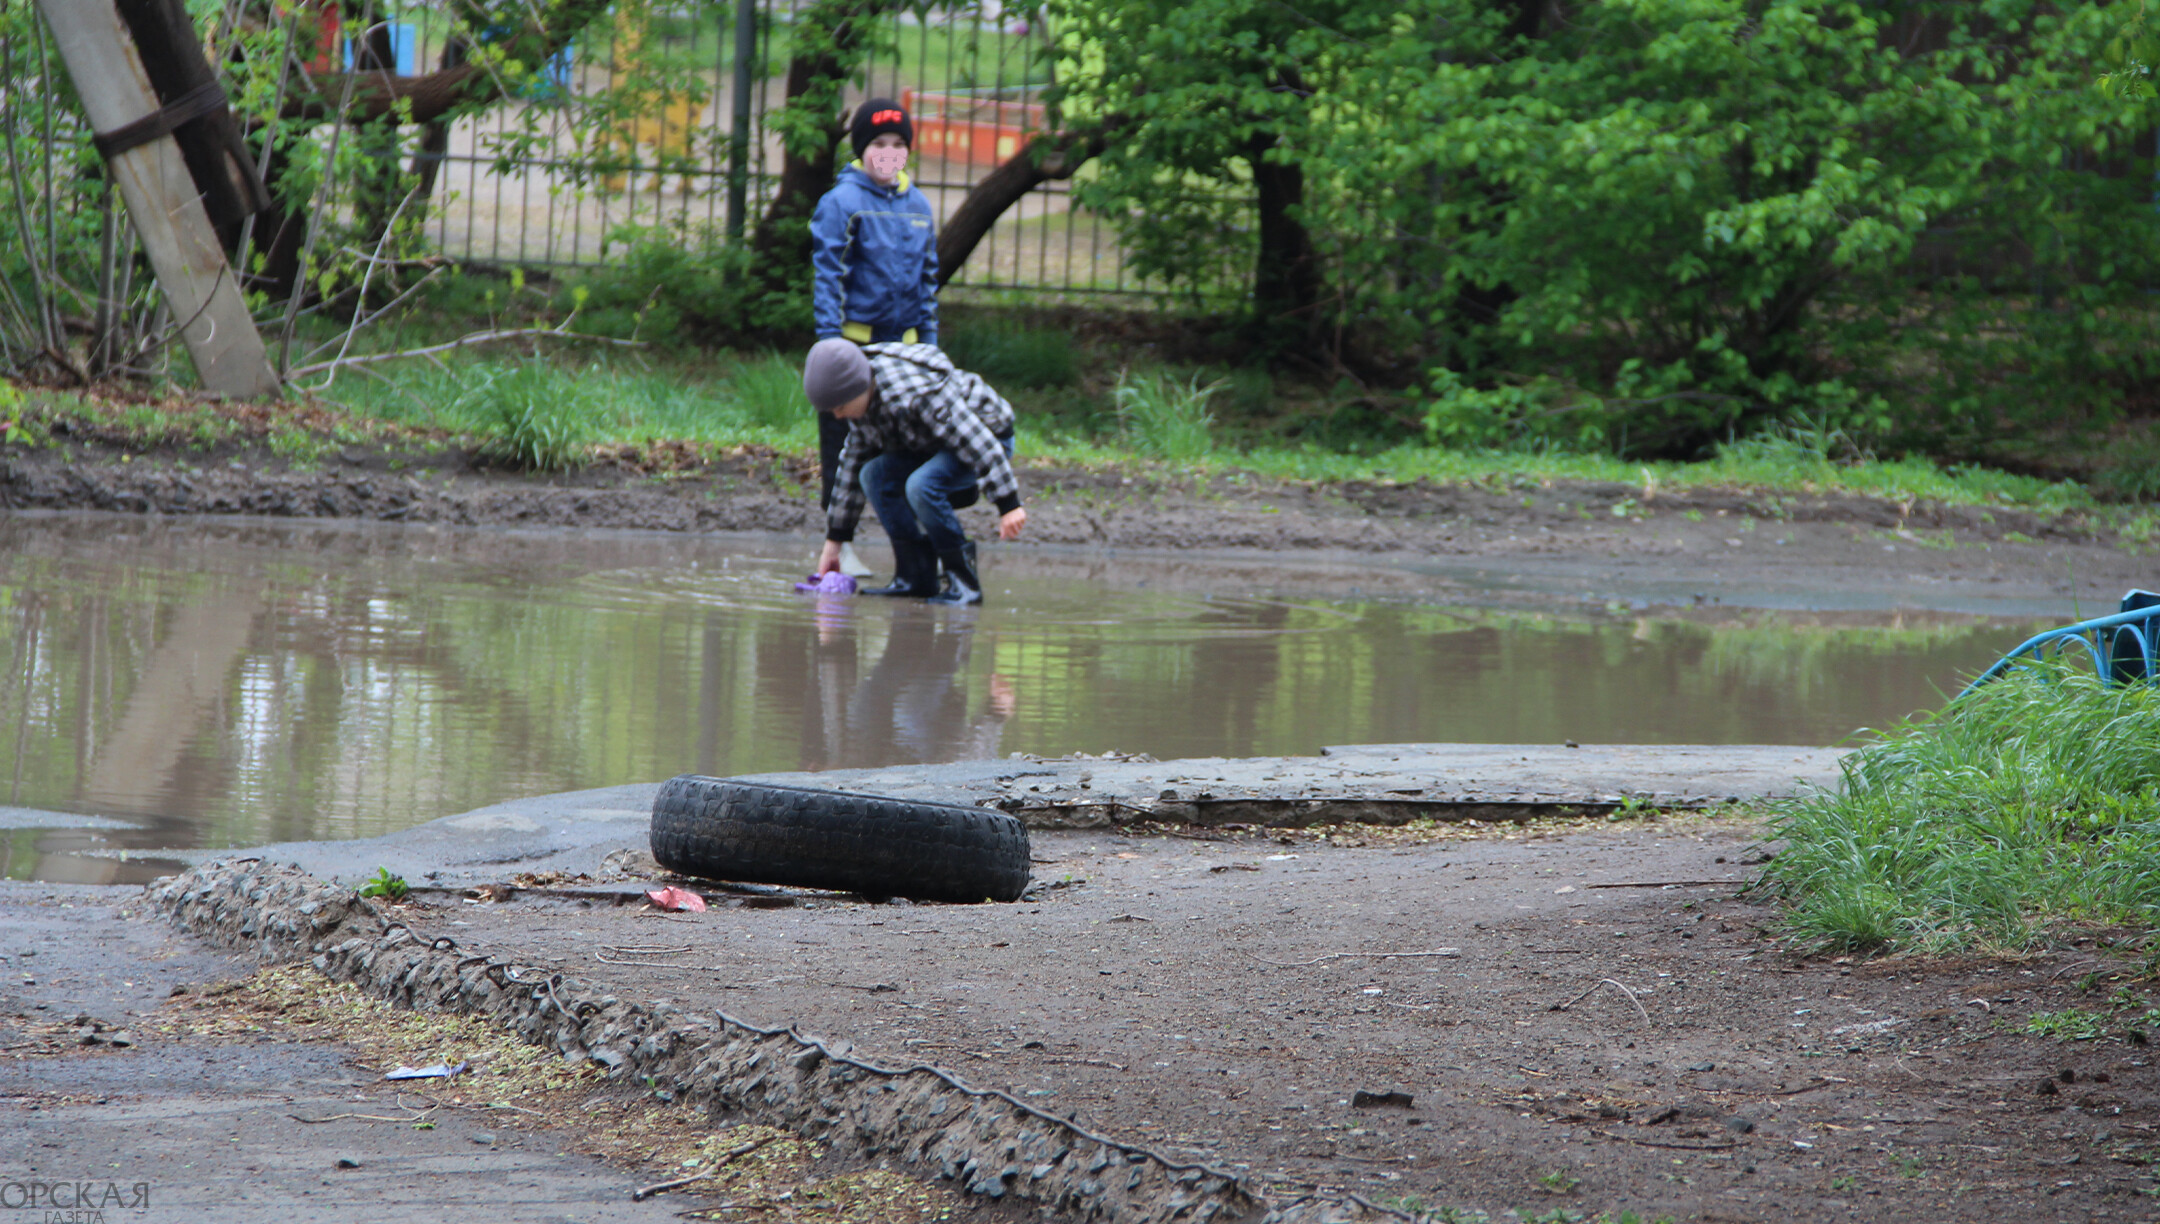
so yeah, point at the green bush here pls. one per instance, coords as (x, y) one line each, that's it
(2031, 801)
(1649, 227)
(686, 285)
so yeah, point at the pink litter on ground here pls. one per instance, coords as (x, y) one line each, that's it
(673, 898)
(835, 583)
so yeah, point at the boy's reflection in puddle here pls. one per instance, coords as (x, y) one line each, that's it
(913, 706)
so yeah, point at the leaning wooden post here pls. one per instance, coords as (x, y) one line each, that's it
(163, 201)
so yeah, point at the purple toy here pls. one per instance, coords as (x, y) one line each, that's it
(835, 583)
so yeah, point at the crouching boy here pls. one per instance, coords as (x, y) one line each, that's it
(925, 439)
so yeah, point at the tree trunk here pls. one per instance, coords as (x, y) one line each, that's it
(376, 95)
(434, 144)
(782, 242)
(375, 187)
(1047, 158)
(280, 235)
(1286, 274)
(172, 57)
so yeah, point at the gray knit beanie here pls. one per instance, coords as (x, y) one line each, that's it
(835, 373)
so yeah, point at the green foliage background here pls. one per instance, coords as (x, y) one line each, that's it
(1647, 226)
(1641, 227)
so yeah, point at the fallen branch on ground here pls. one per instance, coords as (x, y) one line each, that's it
(642, 1193)
(1346, 955)
(1677, 1147)
(1593, 990)
(417, 1115)
(1668, 884)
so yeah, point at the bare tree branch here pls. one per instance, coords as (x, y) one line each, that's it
(1047, 158)
(464, 341)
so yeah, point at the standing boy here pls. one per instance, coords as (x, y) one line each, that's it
(925, 439)
(873, 243)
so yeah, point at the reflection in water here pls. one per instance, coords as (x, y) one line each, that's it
(221, 684)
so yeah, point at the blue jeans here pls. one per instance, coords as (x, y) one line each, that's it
(915, 494)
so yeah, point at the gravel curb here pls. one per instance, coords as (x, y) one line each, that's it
(918, 1116)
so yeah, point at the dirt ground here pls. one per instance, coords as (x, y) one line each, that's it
(1556, 1023)
(1567, 1031)
(135, 1057)
(1577, 1020)
(1824, 548)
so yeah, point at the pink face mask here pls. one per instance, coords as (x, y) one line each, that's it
(885, 164)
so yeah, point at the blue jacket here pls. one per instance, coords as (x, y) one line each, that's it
(874, 250)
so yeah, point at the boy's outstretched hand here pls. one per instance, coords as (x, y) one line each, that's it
(828, 559)
(1010, 523)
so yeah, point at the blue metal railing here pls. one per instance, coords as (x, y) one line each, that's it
(2120, 646)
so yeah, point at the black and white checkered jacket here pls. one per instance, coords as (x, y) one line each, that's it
(920, 403)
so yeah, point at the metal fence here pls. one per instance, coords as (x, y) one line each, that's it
(554, 176)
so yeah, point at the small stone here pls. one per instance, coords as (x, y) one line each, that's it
(1740, 1126)
(483, 1138)
(347, 1162)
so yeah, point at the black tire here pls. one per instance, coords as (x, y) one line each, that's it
(752, 832)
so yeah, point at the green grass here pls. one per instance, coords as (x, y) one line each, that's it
(546, 414)
(2070, 1024)
(1205, 422)
(1164, 418)
(2027, 805)
(1015, 357)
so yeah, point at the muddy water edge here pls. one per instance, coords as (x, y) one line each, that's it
(222, 682)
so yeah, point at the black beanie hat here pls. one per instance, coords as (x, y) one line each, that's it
(877, 117)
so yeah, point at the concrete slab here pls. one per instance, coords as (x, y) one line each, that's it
(579, 831)
(1373, 783)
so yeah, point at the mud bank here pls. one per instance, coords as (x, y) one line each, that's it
(1594, 1018)
(1676, 547)
(987, 1140)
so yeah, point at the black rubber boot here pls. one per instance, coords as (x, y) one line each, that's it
(961, 584)
(914, 571)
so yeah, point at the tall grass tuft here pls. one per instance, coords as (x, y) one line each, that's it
(1006, 354)
(1166, 418)
(767, 391)
(2029, 803)
(536, 415)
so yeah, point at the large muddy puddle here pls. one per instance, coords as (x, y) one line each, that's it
(208, 684)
